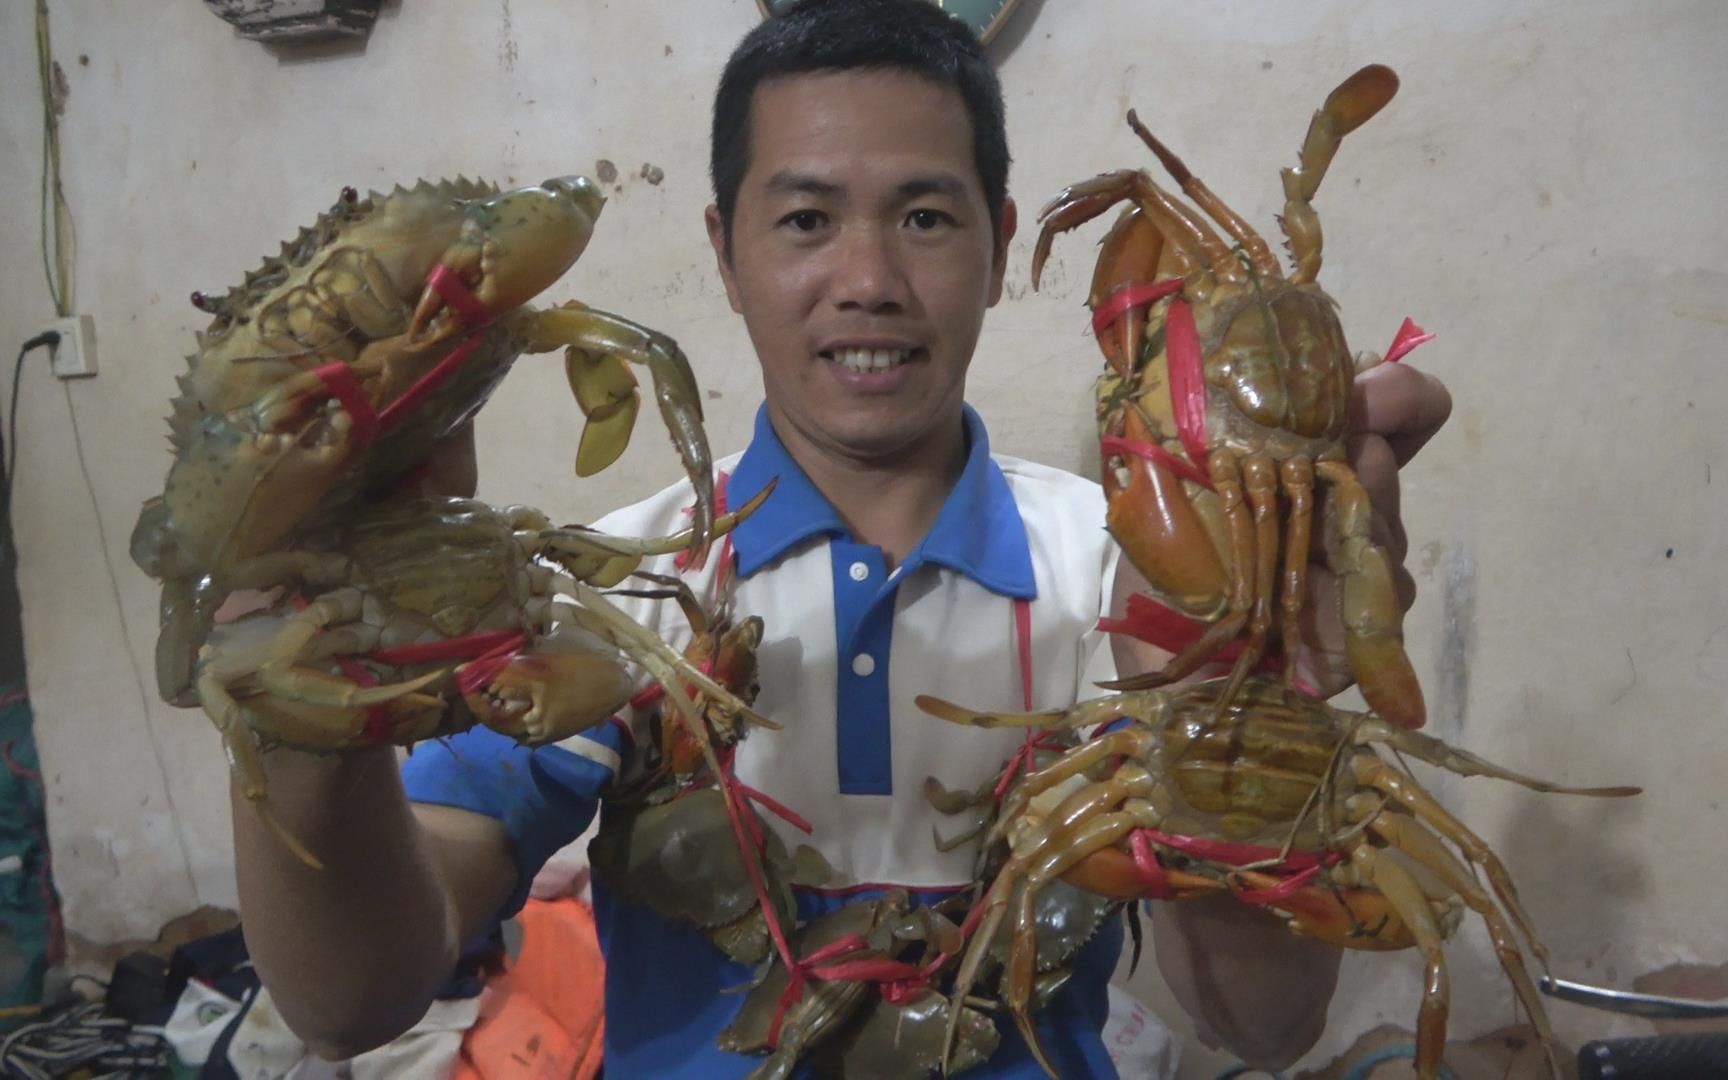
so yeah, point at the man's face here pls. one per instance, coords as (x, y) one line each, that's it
(862, 258)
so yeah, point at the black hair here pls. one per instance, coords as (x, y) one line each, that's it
(914, 36)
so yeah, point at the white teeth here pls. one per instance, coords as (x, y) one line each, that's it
(864, 361)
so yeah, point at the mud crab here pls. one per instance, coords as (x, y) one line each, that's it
(1284, 803)
(330, 373)
(839, 1017)
(665, 840)
(1226, 390)
(417, 617)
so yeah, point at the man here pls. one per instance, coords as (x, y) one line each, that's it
(861, 227)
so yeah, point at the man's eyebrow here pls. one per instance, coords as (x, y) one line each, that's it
(934, 184)
(788, 182)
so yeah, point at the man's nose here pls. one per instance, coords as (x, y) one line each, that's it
(869, 274)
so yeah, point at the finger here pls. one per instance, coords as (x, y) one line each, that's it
(1400, 403)
(1406, 587)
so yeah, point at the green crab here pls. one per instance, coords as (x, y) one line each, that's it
(418, 617)
(846, 1026)
(329, 375)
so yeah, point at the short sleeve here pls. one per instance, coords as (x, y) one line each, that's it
(545, 797)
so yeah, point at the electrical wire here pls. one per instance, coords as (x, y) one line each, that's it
(9, 445)
(82, 1040)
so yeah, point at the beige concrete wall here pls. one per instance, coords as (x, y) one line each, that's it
(1545, 193)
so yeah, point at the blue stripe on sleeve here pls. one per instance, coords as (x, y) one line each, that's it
(545, 797)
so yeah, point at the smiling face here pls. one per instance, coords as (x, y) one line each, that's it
(862, 259)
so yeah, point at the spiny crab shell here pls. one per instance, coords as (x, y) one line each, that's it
(383, 291)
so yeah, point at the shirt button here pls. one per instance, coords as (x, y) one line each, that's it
(863, 664)
(859, 571)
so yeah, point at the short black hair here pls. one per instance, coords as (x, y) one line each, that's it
(914, 36)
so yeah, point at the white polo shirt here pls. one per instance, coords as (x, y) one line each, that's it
(847, 647)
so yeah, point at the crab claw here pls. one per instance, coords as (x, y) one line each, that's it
(512, 247)
(543, 698)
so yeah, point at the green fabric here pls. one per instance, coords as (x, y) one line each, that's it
(31, 937)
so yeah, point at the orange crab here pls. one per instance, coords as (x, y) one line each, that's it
(1224, 413)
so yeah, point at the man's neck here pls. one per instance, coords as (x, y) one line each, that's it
(888, 503)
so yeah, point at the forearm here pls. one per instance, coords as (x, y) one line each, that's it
(1251, 986)
(353, 953)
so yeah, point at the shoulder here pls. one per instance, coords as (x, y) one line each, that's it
(1038, 487)
(1063, 514)
(1064, 508)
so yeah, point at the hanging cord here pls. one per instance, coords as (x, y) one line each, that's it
(56, 249)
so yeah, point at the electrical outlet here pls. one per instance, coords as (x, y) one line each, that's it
(74, 355)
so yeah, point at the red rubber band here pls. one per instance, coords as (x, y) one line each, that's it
(1187, 470)
(425, 384)
(1152, 877)
(466, 647)
(1408, 337)
(1128, 297)
(1187, 382)
(454, 291)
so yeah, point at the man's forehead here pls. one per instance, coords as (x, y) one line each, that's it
(821, 131)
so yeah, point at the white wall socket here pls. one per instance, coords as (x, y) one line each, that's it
(74, 356)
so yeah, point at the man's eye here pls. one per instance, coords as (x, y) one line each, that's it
(803, 220)
(925, 220)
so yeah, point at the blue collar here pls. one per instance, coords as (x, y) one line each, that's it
(978, 532)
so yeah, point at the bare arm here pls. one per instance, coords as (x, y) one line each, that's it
(354, 953)
(1249, 984)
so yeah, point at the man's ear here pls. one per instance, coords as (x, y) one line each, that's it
(999, 260)
(722, 257)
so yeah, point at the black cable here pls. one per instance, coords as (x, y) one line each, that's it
(9, 445)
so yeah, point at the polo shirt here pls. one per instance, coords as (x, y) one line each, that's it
(847, 647)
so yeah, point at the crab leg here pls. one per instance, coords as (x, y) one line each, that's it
(1262, 485)
(1150, 707)
(1297, 475)
(279, 674)
(1411, 838)
(1408, 901)
(595, 613)
(1347, 108)
(604, 561)
(1259, 255)
(1373, 640)
(1084, 201)
(1375, 773)
(1095, 833)
(596, 343)
(1455, 759)
(244, 762)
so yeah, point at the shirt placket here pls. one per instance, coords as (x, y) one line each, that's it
(864, 632)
